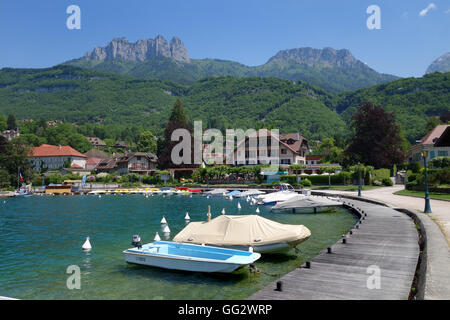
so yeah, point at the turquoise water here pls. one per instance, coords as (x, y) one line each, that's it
(41, 236)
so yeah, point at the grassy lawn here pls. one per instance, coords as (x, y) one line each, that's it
(438, 196)
(343, 188)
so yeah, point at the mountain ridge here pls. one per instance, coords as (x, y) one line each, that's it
(330, 69)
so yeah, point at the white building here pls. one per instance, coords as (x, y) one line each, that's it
(265, 147)
(56, 157)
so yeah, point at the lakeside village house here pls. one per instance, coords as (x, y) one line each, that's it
(436, 142)
(56, 157)
(289, 149)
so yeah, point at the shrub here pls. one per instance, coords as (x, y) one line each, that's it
(380, 174)
(376, 183)
(440, 162)
(414, 167)
(387, 182)
(291, 179)
(412, 177)
(305, 183)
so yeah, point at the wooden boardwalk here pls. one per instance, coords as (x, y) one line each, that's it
(386, 239)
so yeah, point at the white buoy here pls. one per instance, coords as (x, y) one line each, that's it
(86, 245)
(223, 211)
(99, 195)
(163, 220)
(239, 205)
(186, 217)
(231, 198)
(257, 210)
(157, 237)
(250, 249)
(166, 229)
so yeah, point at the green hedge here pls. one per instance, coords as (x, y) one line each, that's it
(380, 174)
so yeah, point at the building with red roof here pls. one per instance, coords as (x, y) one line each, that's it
(436, 142)
(55, 157)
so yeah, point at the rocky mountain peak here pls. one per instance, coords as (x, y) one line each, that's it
(312, 57)
(141, 50)
(441, 64)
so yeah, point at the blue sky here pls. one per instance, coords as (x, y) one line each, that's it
(34, 33)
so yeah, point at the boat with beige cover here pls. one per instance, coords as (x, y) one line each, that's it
(244, 231)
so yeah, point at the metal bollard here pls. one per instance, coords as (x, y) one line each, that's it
(279, 286)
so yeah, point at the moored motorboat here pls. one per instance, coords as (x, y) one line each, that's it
(250, 193)
(216, 192)
(189, 257)
(233, 193)
(285, 192)
(307, 204)
(244, 231)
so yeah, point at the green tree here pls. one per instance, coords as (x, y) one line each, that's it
(432, 122)
(330, 170)
(3, 123)
(14, 156)
(11, 122)
(177, 120)
(147, 142)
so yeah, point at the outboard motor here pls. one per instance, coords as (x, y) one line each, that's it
(136, 242)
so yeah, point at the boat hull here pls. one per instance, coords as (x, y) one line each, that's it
(180, 264)
(189, 257)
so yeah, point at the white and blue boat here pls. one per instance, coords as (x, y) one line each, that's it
(189, 257)
(233, 193)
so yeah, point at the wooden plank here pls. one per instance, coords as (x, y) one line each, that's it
(386, 238)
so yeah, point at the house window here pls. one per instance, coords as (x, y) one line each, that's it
(285, 161)
(432, 155)
(442, 153)
(283, 151)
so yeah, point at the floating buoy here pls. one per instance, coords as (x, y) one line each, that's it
(223, 211)
(186, 217)
(163, 220)
(257, 210)
(157, 237)
(239, 205)
(231, 198)
(86, 245)
(250, 249)
(166, 229)
(99, 195)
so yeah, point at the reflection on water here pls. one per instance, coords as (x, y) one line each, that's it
(41, 236)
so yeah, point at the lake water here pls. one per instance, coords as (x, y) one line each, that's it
(41, 236)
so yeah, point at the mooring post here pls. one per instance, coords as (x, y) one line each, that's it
(279, 286)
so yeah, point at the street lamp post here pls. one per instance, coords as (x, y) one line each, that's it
(359, 180)
(427, 196)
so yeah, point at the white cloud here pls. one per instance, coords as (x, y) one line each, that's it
(425, 11)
